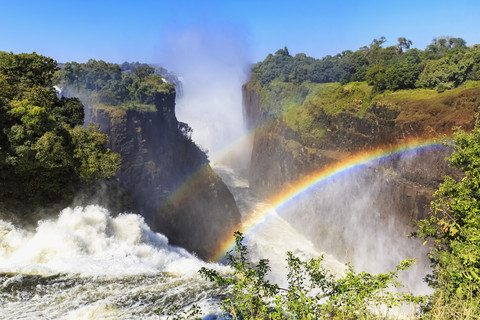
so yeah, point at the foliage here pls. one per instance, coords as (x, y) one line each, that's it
(93, 160)
(280, 97)
(29, 69)
(312, 293)
(442, 46)
(127, 86)
(403, 44)
(376, 77)
(441, 307)
(346, 66)
(470, 63)
(403, 71)
(445, 64)
(441, 74)
(174, 312)
(44, 155)
(454, 226)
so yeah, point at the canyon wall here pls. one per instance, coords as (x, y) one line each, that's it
(165, 177)
(282, 155)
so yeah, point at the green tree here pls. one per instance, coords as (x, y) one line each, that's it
(44, 155)
(377, 54)
(470, 63)
(403, 44)
(143, 72)
(442, 46)
(93, 160)
(453, 230)
(441, 74)
(403, 71)
(30, 69)
(69, 111)
(130, 85)
(376, 77)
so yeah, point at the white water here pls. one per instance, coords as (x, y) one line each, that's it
(89, 265)
(86, 264)
(89, 242)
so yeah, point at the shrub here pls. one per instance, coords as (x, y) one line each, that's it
(312, 292)
(454, 226)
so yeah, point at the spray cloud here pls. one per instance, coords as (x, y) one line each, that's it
(212, 61)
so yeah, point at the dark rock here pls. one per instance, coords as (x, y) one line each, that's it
(166, 178)
(280, 157)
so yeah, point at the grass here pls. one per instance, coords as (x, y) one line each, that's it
(465, 309)
(127, 106)
(307, 107)
(281, 97)
(352, 97)
(299, 105)
(471, 84)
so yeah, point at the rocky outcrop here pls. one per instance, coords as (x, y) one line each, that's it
(281, 155)
(165, 177)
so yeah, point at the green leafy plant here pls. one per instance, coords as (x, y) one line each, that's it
(45, 155)
(174, 312)
(312, 293)
(453, 229)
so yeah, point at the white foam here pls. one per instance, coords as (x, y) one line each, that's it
(98, 310)
(89, 242)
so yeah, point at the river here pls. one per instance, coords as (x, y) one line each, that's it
(87, 264)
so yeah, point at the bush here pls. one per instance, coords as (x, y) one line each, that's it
(454, 226)
(312, 292)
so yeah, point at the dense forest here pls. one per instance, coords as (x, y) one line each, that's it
(129, 85)
(45, 153)
(301, 89)
(445, 64)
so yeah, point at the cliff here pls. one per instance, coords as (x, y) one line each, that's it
(165, 177)
(326, 127)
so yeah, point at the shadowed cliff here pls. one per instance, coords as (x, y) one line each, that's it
(291, 142)
(165, 177)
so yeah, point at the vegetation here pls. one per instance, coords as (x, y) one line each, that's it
(306, 93)
(45, 155)
(446, 63)
(453, 229)
(312, 293)
(130, 85)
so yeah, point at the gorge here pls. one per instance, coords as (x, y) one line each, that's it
(137, 265)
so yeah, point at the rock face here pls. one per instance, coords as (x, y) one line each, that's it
(281, 156)
(166, 178)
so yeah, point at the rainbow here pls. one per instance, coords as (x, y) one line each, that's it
(304, 185)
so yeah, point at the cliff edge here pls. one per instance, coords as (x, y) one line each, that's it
(331, 122)
(165, 177)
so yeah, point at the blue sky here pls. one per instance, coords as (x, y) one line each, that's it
(144, 30)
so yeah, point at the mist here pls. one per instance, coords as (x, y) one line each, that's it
(357, 217)
(350, 218)
(212, 63)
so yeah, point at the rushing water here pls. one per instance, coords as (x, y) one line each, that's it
(274, 236)
(86, 264)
